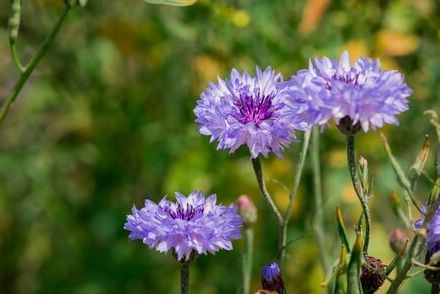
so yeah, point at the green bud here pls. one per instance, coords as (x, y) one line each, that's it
(80, 3)
(418, 165)
(14, 20)
(398, 210)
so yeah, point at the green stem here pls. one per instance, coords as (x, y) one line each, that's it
(296, 182)
(318, 223)
(247, 259)
(184, 277)
(260, 179)
(16, 58)
(256, 163)
(435, 289)
(357, 188)
(32, 64)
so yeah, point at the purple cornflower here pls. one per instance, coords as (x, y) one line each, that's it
(271, 278)
(249, 110)
(433, 230)
(362, 96)
(192, 225)
(433, 241)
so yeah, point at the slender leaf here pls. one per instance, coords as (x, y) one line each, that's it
(341, 228)
(341, 272)
(354, 267)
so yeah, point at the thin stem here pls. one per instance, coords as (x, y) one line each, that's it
(425, 266)
(261, 184)
(33, 63)
(357, 188)
(247, 259)
(296, 182)
(260, 179)
(318, 223)
(16, 58)
(184, 277)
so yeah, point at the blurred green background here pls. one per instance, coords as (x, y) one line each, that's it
(106, 120)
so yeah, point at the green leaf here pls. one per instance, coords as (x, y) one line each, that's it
(341, 228)
(354, 267)
(397, 258)
(341, 272)
(401, 177)
(172, 2)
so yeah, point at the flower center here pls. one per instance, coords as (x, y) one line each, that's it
(253, 108)
(346, 79)
(186, 213)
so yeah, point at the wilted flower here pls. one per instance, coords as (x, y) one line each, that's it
(372, 274)
(397, 238)
(362, 96)
(247, 209)
(192, 225)
(271, 278)
(433, 241)
(252, 111)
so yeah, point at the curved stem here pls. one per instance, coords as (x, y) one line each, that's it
(260, 179)
(32, 64)
(16, 58)
(296, 182)
(184, 277)
(247, 259)
(357, 188)
(318, 223)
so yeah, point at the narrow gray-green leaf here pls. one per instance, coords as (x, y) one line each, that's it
(341, 229)
(354, 267)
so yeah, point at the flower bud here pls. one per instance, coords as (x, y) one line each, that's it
(14, 20)
(397, 239)
(271, 279)
(247, 209)
(372, 274)
(80, 3)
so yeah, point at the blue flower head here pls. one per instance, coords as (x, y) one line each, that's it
(192, 225)
(363, 95)
(251, 111)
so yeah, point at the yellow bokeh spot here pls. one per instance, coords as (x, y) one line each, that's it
(395, 43)
(240, 18)
(357, 48)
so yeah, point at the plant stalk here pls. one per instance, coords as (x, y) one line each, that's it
(296, 182)
(318, 222)
(184, 277)
(351, 159)
(28, 69)
(256, 163)
(248, 258)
